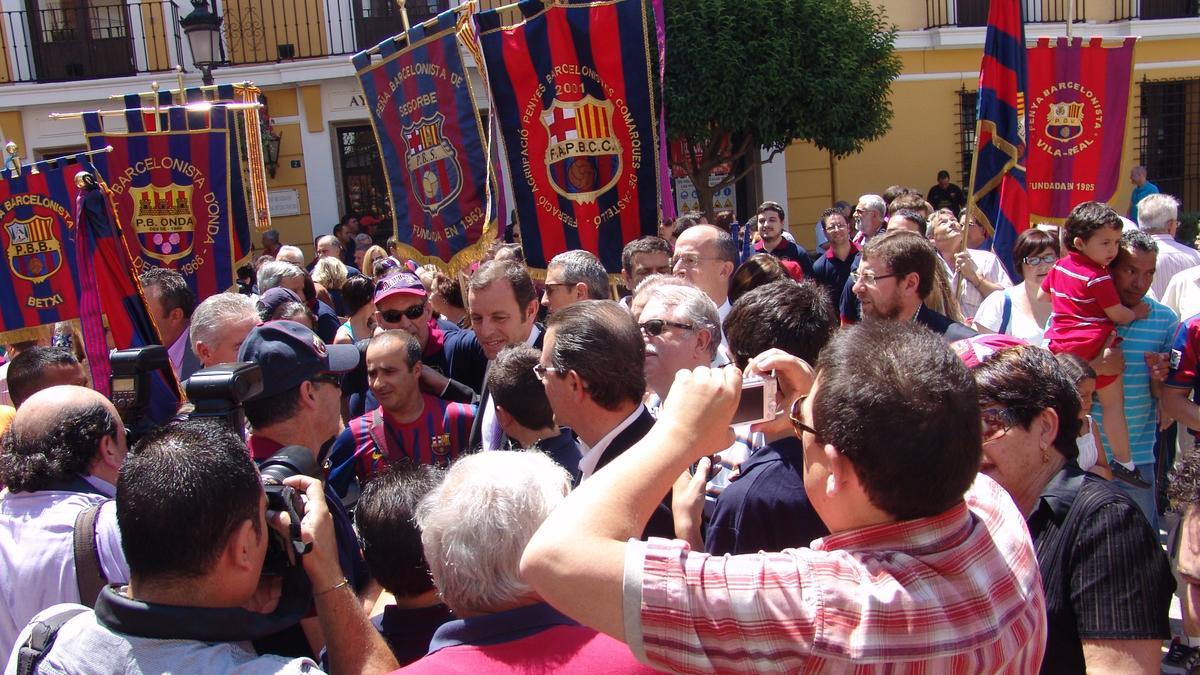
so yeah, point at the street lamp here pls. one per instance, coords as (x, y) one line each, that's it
(203, 31)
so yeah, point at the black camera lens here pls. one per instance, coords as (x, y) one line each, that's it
(294, 460)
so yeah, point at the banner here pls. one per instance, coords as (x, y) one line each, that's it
(432, 144)
(1078, 100)
(112, 305)
(998, 194)
(171, 190)
(38, 285)
(573, 91)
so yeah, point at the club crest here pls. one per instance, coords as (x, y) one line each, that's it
(163, 221)
(432, 164)
(1064, 121)
(34, 253)
(583, 158)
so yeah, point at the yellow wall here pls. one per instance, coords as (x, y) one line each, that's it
(924, 134)
(5, 71)
(12, 129)
(295, 230)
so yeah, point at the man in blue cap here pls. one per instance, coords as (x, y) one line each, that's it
(300, 404)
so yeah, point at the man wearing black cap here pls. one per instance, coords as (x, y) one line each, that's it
(300, 404)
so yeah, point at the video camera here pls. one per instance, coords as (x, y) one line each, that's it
(294, 460)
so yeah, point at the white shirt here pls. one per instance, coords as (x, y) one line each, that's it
(37, 555)
(1183, 293)
(991, 314)
(591, 456)
(491, 431)
(1173, 258)
(989, 268)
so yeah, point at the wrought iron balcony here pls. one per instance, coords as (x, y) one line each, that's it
(85, 40)
(269, 31)
(1154, 9)
(963, 13)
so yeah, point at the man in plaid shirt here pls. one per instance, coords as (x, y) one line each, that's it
(929, 568)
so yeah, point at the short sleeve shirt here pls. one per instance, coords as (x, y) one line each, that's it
(990, 315)
(1080, 290)
(1105, 575)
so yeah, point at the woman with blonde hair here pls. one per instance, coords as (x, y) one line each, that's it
(331, 274)
(372, 255)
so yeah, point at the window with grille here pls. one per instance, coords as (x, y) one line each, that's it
(966, 134)
(1169, 138)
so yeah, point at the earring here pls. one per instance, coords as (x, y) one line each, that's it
(1045, 457)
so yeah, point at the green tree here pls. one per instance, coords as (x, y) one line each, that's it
(748, 74)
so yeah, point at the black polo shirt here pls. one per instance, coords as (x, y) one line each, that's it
(766, 508)
(1104, 573)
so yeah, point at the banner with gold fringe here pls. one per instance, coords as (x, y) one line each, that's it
(432, 143)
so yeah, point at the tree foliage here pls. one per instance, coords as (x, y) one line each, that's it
(749, 74)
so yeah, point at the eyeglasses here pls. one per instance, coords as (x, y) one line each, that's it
(794, 414)
(869, 278)
(1034, 261)
(327, 378)
(996, 422)
(540, 371)
(688, 260)
(831, 227)
(549, 286)
(655, 327)
(394, 315)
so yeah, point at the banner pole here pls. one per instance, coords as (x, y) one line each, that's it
(1070, 17)
(403, 14)
(113, 113)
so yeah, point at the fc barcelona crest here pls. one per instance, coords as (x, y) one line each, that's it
(583, 158)
(432, 164)
(1064, 121)
(163, 220)
(34, 254)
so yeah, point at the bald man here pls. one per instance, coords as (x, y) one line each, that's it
(706, 256)
(59, 459)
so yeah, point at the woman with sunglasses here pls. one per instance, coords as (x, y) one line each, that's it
(1016, 311)
(1107, 581)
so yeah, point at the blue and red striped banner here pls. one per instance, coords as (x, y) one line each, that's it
(1000, 200)
(432, 144)
(573, 91)
(109, 289)
(38, 229)
(172, 192)
(1079, 95)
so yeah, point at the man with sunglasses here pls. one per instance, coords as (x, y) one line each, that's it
(300, 404)
(681, 330)
(450, 358)
(929, 567)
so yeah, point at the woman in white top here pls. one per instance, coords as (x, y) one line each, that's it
(1017, 311)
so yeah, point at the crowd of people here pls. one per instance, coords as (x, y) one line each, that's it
(942, 461)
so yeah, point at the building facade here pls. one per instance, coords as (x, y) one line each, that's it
(71, 55)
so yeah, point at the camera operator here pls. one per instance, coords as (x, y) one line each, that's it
(300, 404)
(59, 459)
(196, 570)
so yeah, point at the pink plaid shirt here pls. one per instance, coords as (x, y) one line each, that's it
(955, 593)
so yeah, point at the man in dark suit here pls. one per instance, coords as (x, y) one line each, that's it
(504, 306)
(170, 303)
(592, 370)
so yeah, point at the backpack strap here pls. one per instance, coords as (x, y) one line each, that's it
(41, 638)
(88, 575)
(1005, 314)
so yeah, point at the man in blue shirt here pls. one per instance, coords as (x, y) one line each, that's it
(1141, 189)
(1145, 343)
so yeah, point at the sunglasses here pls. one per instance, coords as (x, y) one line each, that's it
(794, 415)
(996, 422)
(540, 371)
(394, 315)
(655, 327)
(327, 378)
